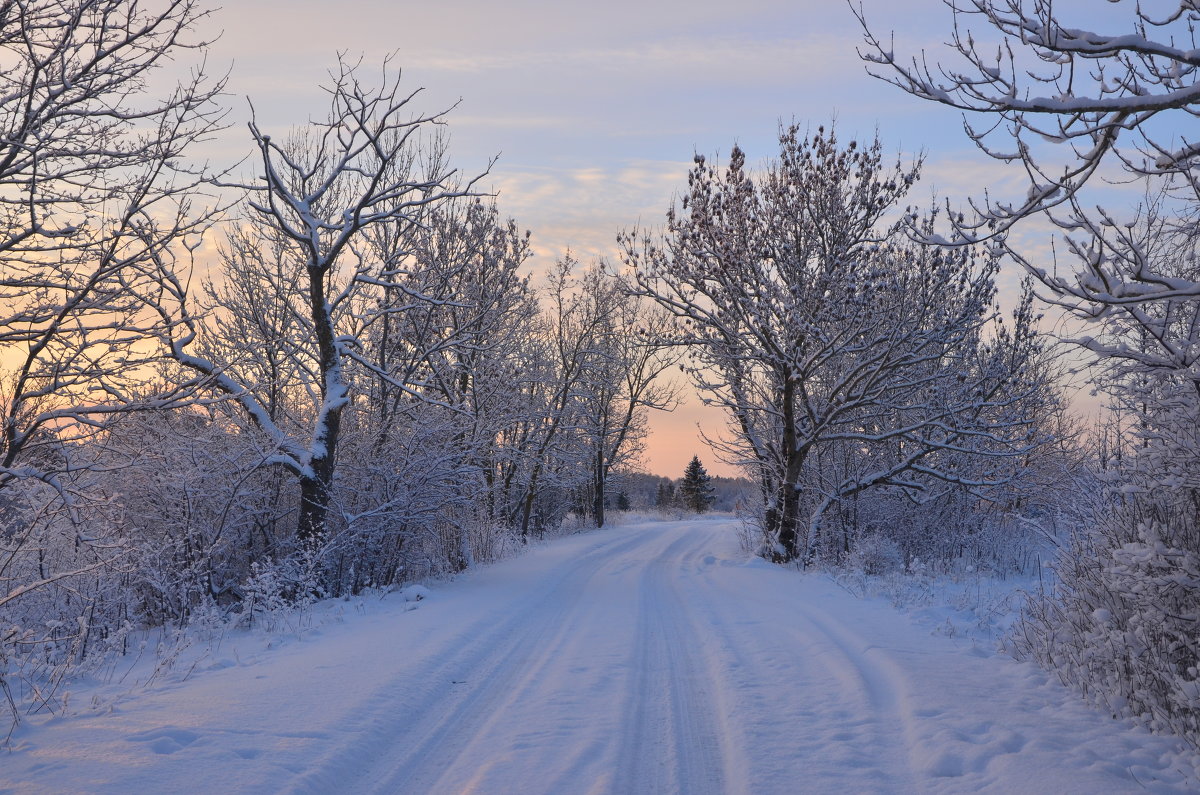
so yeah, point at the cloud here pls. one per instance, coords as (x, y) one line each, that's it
(801, 58)
(518, 121)
(582, 207)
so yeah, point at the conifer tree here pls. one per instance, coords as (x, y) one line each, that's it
(664, 497)
(696, 490)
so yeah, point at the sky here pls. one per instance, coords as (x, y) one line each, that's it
(595, 110)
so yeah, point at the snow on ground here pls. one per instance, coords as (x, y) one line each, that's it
(647, 658)
(978, 608)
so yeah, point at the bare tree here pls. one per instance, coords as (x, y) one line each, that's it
(93, 185)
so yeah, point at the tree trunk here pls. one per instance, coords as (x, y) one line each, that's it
(314, 508)
(526, 511)
(316, 489)
(598, 489)
(788, 498)
(789, 521)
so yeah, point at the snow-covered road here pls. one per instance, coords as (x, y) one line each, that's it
(645, 658)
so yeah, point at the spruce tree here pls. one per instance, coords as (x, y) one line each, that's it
(696, 490)
(664, 498)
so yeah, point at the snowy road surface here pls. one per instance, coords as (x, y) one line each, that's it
(646, 658)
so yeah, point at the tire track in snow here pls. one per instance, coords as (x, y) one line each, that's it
(800, 693)
(532, 679)
(405, 741)
(790, 707)
(882, 684)
(628, 660)
(702, 660)
(765, 728)
(672, 740)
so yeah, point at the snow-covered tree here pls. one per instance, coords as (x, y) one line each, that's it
(550, 443)
(1056, 87)
(623, 380)
(322, 190)
(817, 327)
(430, 439)
(1034, 82)
(93, 184)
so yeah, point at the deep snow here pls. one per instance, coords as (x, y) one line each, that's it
(647, 658)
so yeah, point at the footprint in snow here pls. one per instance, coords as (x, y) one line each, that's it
(165, 741)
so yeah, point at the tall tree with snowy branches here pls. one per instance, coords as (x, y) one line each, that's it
(322, 190)
(813, 324)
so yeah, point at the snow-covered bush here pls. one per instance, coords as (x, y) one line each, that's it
(875, 555)
(65, 594)
(197, 507)
(1120, 623)
(490, 541)
(283, 590)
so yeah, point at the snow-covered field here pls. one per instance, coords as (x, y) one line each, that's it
(646, 658)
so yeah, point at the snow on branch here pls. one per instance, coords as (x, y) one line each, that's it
(1052, 83)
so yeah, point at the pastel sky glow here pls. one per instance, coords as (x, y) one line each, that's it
(595, 109)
